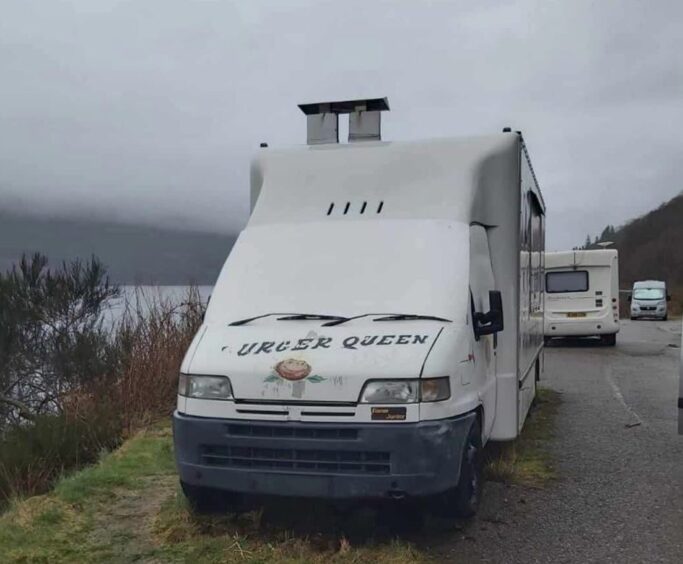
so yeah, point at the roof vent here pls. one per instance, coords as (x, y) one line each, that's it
(364, 120)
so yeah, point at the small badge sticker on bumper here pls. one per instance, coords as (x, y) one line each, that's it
(388, 413)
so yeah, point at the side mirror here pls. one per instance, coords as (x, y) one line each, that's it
(492, 321)
(207, 304)
(668, 297)
(629, 298)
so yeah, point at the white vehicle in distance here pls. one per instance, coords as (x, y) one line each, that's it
(582, 294)
(649, 300)
(379, 319)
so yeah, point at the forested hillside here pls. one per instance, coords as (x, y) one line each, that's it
(650, 246)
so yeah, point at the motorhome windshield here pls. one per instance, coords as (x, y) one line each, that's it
(566, 281)
(336, 270)
(648, 294)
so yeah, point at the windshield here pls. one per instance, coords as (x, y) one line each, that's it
(345, 269)
(568, 281)
(648, 293)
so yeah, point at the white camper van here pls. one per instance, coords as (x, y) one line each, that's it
(377, 321)
(582, 294)
(649, 299)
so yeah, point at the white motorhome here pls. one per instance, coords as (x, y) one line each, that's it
(649, 300)
(582, 294)
(377, 321)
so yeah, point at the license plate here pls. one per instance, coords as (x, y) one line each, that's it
(576, 314)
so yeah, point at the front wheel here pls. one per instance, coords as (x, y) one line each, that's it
(609, 340)
(463, 500)
(209, 500)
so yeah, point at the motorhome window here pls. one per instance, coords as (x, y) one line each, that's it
(568, 281)
(648, 294)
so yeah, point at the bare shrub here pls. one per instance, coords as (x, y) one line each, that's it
(152, 337)
(73, 379)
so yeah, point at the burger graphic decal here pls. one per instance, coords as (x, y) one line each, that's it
(293, 370)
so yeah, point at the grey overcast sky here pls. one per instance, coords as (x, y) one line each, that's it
(149, 110)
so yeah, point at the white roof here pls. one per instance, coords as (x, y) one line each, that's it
(436, 179)
(561, 259)
(649, 284)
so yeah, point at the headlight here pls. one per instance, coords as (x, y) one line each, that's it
(406, 391)
(390, 391)
(435, 389)
(204, 387)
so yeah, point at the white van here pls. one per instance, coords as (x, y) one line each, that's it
(582, 294)
(377, 321)
(649, 299)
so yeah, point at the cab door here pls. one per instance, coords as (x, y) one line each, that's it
(484, 347)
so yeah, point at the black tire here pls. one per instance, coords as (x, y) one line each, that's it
(666, 317)
(463, 501)
(209, 500)
(609, 340)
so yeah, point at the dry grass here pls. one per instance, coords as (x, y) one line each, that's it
(183, 535)
(139, 386)
(525, 460)
(153, 335)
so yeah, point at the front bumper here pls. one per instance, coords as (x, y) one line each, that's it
(581, 327)
(648, 314)
(326, 460)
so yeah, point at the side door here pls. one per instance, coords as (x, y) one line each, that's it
(484, 347)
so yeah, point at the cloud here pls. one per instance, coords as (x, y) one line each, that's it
(150, 110)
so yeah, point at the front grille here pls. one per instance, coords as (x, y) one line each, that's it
(648, 308)
(299, 460)
(292, 432)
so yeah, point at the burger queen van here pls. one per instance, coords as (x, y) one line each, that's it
(379, 319)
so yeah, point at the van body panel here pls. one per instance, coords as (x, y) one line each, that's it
(680, 390)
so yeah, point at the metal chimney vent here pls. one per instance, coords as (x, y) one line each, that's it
(364, 120)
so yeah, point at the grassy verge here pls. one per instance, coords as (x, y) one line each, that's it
(128, 508)
(526, 460)
(71, 523)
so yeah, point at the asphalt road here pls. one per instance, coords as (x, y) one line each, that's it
(618, 496)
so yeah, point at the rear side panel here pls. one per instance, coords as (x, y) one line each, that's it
(680, 392)
(532, 238)
(517, 254)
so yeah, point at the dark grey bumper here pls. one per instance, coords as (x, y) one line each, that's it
(327, 460)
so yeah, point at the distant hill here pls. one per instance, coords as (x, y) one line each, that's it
(133, 253)
(650, 246)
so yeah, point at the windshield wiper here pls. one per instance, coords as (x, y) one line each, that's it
(387, 317)
(312, 317)
(411, 317)
(291, 317)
